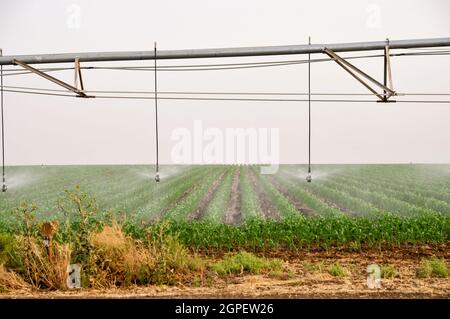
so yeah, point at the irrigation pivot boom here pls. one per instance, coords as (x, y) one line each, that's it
(331, 50)
(223, 52)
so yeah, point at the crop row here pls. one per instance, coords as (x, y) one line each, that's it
(249, 200)
(280, 202)
(217, 206)
(301, 232)
(406, 177)
(300, 189)
(149, 200)
(430, 195)
(404, 194)
(357, 199)
(343, 200)
(181, 209)
(380, 200)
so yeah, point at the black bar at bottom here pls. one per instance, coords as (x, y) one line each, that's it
(218, 308)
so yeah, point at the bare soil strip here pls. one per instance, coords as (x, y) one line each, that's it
(297, 281)
(199, 212)
(264, 200)
(233, 213)
(300, 206)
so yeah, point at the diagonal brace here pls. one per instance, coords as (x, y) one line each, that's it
(78, 74)
(388, 71)
(51, 78)
(357, 74)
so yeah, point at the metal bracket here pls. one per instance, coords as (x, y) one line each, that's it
(50, 78)
(359, 75)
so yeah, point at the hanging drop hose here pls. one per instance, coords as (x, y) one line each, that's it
(157, 179)
(4, 187)
(308, 177)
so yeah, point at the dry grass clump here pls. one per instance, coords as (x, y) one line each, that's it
(38, 269)
(117, 259)
(120, 260)
(9, 280)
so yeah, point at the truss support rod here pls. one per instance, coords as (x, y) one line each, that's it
(388, 81)
(224, 52)
(386, 50)
(78, 74)
(51, 78)
(387, 72)
(352, 70)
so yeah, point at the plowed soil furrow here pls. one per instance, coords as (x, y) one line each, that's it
(233, 213)
(265, 203)
(199, 211)
(301, 207)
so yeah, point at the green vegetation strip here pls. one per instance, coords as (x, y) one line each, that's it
(299, 232)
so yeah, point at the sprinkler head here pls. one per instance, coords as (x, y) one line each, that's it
(157, 178)
(4, 187)
(308, 178)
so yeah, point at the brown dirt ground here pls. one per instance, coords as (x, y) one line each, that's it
(297, 281)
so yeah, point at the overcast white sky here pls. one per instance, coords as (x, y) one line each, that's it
(57, 130)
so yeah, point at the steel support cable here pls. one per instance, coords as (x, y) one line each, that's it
(226, 99)
(187, 92)
(180, 69)
(206, 67)
(14, 88)
(151, 68)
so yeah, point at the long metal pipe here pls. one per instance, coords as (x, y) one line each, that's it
(222, 52)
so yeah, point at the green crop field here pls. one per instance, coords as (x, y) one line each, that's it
(228, 206)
